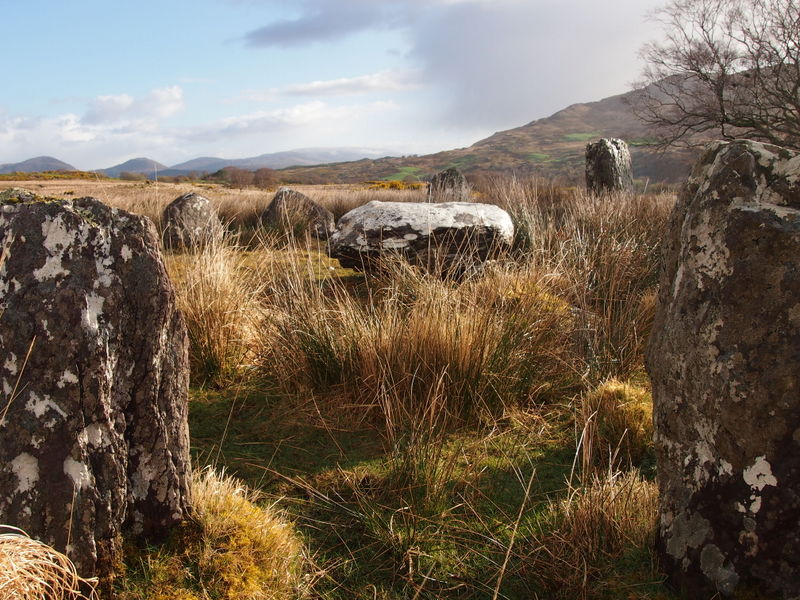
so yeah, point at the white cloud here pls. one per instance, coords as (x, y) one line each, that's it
(124, 110)
(494, 63)
(322, 116)
(390, 80)
(120, 127)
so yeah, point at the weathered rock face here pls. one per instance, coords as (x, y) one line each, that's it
(608, 166)
(724, 359)
(449, 185)
(190, 221)
(438, 237)
(95, 440)
(290, 210)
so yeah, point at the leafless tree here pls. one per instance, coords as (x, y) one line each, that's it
(730, 68)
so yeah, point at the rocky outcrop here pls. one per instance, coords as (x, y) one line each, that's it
(608, 166)
(297, 213)
(723, 358)
(449, 185)
(94, 379)
(190, 221)
(447, 237)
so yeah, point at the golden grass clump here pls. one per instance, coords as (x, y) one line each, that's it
(473, 348)
(249, 552)
(219, 300)
(236, 548)
(617, 422)
(583, 535)
(32, 570)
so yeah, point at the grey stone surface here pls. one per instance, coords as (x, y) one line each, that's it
(439, 237)
(190, 221)
(290, 210)
(608, 166)
(724, 359)
(449, 185)
(94, 442)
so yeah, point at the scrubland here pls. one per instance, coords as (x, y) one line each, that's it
(400, 435)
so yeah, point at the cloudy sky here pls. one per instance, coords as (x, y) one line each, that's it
(95, 83)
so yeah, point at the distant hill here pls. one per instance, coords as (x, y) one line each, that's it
(552, 147)
(36, 165)
(146, 166)
(277, 160)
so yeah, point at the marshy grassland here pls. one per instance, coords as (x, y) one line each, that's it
(399, 435)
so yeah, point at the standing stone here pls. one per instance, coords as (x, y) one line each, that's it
(724, 359)
(94, 442)
(608, 166)
(449, 185)
(444, 238)
(295, 212)
(190, 221)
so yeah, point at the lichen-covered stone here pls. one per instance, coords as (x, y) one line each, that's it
(297, 213)
(439, 237)
(724, 359)
(449, 185)
(608, 166)
(95, 439)
(190, 221)
(17, 195)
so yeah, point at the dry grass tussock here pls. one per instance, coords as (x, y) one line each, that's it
(32, 570)
(472, 349)
(583, 535)
(606, 252)
(220, 300)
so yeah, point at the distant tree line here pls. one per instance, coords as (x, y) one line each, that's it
(263, 178)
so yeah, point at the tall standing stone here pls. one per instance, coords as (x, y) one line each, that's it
(295, 212)
(94, 377)
(608, 166)
(190, 221)
(449, 185)
(724, 359)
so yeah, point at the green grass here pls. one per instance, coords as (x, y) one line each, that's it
(403, 173)
(581, 137)
(538, 157)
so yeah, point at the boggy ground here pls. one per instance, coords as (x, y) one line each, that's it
(403, 436)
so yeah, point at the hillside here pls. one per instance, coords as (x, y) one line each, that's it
(550, 147)
(146, 166)
(277, 160)
(36, 165)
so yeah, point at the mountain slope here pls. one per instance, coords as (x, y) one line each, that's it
(277, 160)
(550, 147)
(146, 166)
(36, 165)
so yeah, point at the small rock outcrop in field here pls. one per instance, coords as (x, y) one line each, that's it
(190, 221)
(94, 378)
(723, 358)
(295, 212)
(449, 185)
(608, 166)
(438, 237)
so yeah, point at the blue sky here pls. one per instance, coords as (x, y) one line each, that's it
(96, 83)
